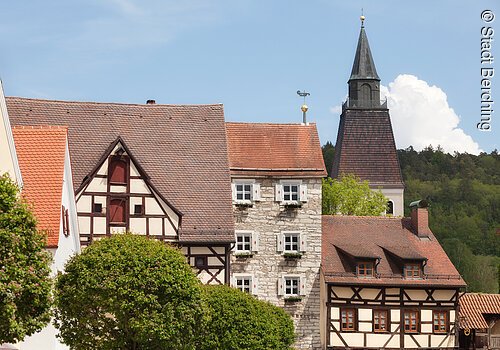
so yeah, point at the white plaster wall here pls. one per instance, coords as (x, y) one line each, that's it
(396, 195)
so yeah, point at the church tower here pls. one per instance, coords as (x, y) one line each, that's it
(365, 141)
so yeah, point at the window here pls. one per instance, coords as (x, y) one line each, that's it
(365, 269)
(118, 170)
(380, 320)
(243, 242)
(348, 320)
(244, 283)
(243, 192)
(292, 286)
(291, 192)
(412, 271)
(200, 262)
(411, 321)
(138, 209)
(440, 321)
(390, 208)
(97, 208)
(291, 242)
(117, 212)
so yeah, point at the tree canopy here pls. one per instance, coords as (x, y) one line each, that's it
(240, 321)
(351, 196)
(129, 292)
(24, 268)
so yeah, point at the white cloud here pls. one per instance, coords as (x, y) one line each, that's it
(421, 117)
(336, 109)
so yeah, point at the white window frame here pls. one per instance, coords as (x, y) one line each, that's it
(301, 192)
(301, 242)
(282, 289)
(254, 241)
(244, 276)
(291, 235)
(254, 191)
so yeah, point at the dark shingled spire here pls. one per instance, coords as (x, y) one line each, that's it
(363, 67)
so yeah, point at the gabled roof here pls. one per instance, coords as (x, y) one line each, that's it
(264, 149)
(181, 147)
(363, 66)
(363, 235)
(41, 152)
(473, 307)
(366, 147)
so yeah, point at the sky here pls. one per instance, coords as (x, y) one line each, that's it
(253, 55)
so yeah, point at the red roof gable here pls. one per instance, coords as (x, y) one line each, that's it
(474, 305)
(274, 149)
(346, 238)
(41, 152)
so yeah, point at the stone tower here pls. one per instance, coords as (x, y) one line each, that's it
(365, 141)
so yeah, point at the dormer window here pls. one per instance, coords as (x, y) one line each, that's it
(412, 271)
(365, 269)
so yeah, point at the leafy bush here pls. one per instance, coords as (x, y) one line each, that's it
(129, 292)
(240, 321)
(24, 268)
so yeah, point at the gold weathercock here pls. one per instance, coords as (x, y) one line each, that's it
(304, 107)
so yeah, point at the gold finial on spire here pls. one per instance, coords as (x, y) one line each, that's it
(362, 18)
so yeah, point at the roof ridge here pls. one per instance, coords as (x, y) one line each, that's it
(377, 217)
(114, 103)
(270, 124)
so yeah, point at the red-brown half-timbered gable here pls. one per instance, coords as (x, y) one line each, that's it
(152, 169)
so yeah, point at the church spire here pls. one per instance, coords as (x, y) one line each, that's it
(364, 87)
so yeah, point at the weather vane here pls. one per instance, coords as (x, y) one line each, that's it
(362, 18)
(304, 107)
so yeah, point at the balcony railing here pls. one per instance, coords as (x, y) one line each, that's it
(396, 276)
(364, 104)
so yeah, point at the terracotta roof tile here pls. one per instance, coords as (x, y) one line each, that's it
(473, 306)
(41, 152)
(274, 150)
(182, 148)
(365, 147)
(362, 236)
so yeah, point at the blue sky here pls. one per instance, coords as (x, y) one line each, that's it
(253, 56)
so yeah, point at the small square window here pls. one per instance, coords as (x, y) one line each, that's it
(348, 321)
(291, 192)
(412, 271)
(243, 242)
(138, 209)
(244, 284)
(291, 242)
(365, 269)
(97, 208)
(243, 192)
(292, 286)
(200, 262)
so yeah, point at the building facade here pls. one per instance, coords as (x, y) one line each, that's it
(276, 172)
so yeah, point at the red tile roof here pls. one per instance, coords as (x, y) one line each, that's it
(365, 147)
(345, 237)
(263, 149)
(473, 306)
(41, 152)
(181, 148)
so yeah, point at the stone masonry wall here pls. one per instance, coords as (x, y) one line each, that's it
(269, 218)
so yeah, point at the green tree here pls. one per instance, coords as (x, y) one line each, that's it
(25, 282)
(240, 321)
(328, 154)
(128, 292)
(351, 196)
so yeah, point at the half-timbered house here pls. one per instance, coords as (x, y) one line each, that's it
(276, 172)
(387, 283)
(155, 170)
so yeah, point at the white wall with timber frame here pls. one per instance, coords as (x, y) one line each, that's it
(364, 301)
(211, 262)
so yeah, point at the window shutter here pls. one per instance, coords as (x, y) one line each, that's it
(279, 193)
(256, 192)
(255, 242)
(302, 286)
(255, 289)
(303, 193)
(233, 191)
(279, 243)
(303, 242)
(232, 282)
(281, 286)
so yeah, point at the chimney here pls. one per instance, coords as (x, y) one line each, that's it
(420, 218)
(150, 102)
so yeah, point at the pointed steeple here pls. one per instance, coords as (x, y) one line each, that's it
(364, 83)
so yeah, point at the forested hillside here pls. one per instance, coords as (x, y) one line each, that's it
(464, 191)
